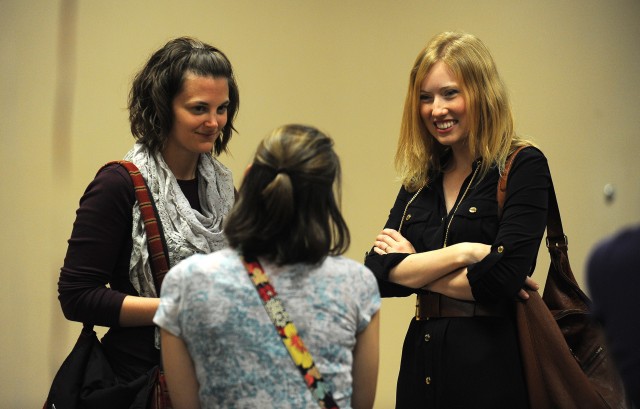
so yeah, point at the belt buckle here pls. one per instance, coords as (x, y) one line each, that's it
(418, 317)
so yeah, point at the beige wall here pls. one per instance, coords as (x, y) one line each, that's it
(572, 68)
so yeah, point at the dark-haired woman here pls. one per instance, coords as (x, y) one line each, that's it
(219, 347)
(181, 108)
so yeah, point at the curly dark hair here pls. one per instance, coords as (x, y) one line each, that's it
(161, 79)
(287, 209)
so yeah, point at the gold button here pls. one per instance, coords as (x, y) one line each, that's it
(408, 217)
(428, 380)
(427, 337)
(473, 210)
(500, 249)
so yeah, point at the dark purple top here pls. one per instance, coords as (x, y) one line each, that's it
(98, 255)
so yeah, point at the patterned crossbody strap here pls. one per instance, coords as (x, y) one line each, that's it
(289, 334)
(158, 254)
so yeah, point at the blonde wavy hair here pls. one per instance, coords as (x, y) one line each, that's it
(491, 130)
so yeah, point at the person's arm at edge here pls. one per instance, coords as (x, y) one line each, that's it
(179, 371)
(365, 365)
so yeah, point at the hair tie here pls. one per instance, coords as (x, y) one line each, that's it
(282, 170)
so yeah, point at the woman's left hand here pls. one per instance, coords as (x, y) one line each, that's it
(528, 283)
(390, 241)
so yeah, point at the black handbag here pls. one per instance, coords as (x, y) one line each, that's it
(85, 378)
(564, 354)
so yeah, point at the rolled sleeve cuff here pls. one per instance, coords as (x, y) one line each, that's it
(381, 266)
(477, 274)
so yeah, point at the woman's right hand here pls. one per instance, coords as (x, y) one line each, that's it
(391, 241)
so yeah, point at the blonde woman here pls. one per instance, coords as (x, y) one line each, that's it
(444, 240)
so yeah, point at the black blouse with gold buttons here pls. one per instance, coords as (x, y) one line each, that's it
(515, 238)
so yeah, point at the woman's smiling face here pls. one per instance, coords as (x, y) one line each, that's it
(443, 107)
(199, 114)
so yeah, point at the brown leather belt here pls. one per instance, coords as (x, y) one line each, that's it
(434, 305)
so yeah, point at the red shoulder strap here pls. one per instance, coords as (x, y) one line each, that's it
(158, 253)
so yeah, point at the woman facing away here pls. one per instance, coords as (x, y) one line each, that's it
(219, 347)
(181, 108)
(444, 240)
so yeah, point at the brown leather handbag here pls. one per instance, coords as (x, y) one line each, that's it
(563, 350)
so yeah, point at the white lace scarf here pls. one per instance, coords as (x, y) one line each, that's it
(186, 230)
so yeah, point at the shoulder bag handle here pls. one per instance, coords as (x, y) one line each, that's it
(158, 254)
(557, 242)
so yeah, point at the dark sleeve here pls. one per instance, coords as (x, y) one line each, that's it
(613, 279)
(382, 265)
(99, 251)
(502, 273)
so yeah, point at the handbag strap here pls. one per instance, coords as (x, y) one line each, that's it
(289, 334)
(158, 254)
(557, 242)
(502, 183)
